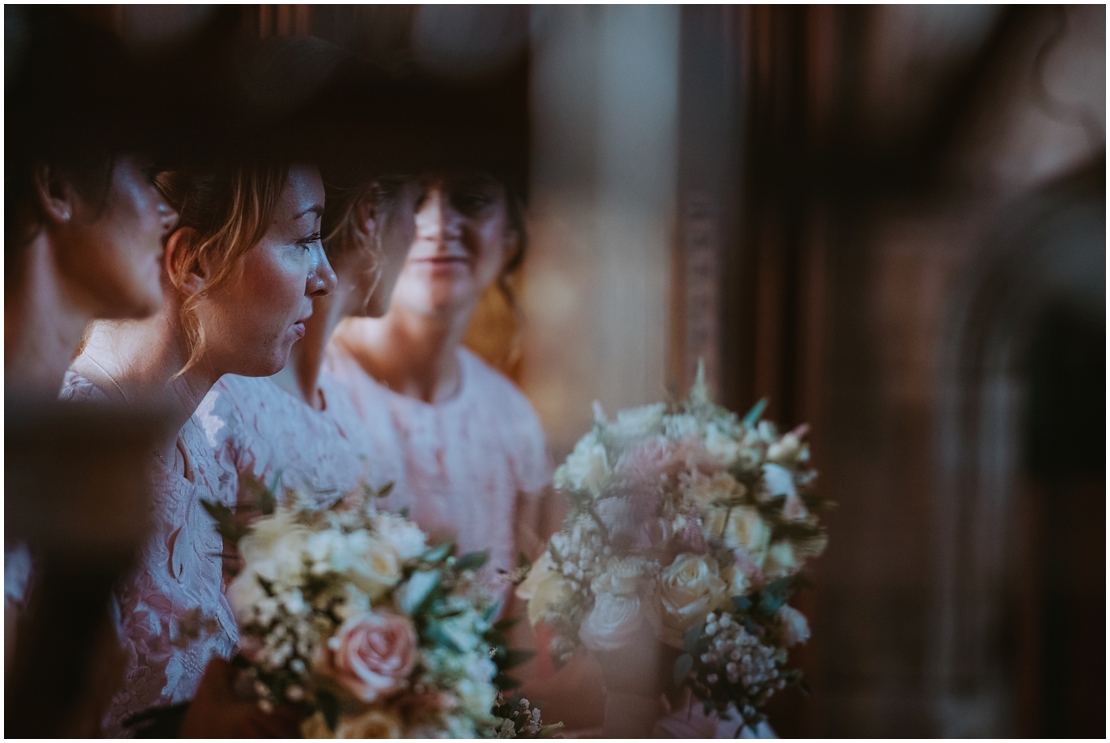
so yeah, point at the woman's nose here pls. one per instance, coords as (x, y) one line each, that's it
(436, 219)
(322, 278)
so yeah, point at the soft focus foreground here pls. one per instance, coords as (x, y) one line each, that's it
(888, 220)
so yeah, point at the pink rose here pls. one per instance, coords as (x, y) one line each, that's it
(648, 460)
(372, 655)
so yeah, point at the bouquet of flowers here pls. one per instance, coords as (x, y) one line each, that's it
(348, 611)
(693, 525)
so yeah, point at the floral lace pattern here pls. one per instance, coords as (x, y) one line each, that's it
(457, 465)
(179, 571)
(263, 431)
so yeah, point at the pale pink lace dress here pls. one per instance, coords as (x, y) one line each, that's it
(264, 431)
(180, 571)
(457, 465)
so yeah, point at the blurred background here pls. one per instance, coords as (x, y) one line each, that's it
(890, 220)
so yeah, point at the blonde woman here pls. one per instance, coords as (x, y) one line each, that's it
(240, 273)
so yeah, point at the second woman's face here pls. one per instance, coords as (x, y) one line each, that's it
(253, 320)
(463, 234)
(113, 245)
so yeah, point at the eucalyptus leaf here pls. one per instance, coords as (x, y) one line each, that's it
(405, 512)
(682, 667)
(438, 553)
(753, 415)
(385, 490)
(472, 560)
(743, 603)
(692, 636)
(514, 658)
(418, 588)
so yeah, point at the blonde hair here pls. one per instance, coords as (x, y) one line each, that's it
(229, 210)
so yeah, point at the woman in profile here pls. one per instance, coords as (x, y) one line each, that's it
(84, 225)
(297, 431)
(240, 273)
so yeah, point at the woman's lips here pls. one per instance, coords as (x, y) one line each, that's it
(298, 329)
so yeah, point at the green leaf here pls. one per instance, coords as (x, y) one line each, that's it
(438, 553)
(405, 512)
(418, 588)
(682, 668)
(328, 705)
(384, 491)
(515, 658)
(226, 525)
(753, 415)
(436, 634)
(472, 560)
(692, 636)
(506, 624)
(743, 603)
(523, 562)
(504, 681)
(769, 603)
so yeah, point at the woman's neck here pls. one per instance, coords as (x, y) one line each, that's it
(301, 376)
(413, 354)
(43, 325)
(138, 361)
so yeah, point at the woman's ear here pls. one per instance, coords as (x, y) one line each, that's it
(366, 217)
(186, 274)
(55, 194)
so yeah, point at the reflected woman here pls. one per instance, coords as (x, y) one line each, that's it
(240, 273)
(462, 445)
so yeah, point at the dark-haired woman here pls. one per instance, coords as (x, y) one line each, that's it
(462, 445)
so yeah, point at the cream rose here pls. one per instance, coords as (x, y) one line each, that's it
(276, 547)
(795, 628)
(403, 535)
(689, 588)
(587, 467)
(373, 565)
(546, 591)
(724, 448)
(373, 724)
(371, 655)
(740, 527)
(782, 560)
(637, 423)
(622, 576)
(614, 622)
(706, 491)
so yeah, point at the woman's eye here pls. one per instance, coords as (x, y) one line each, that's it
(309, 241)
(473, 201)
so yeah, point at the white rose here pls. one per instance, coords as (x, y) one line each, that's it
(740, 527)
(782, 560)
(705, 491)
(374, 566)
(785, 450)
(724, 448)
(587, 467)
(681, 426)
(245, 593)
(637, 423)
(546, 591)
(689, 588)
(779, 481)
(405, 536)
(614, 622)
(278, 541)
(621, 576)
(795, 628)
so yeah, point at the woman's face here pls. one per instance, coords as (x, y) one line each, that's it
(251, 322)
(373, 277)
(111, 248)
(463, 234)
